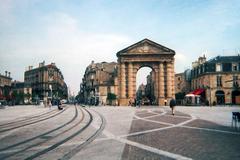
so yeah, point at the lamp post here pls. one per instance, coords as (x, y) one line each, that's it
(210, 96)
(92, 89)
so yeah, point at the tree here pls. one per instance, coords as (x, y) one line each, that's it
(18, 97)
(111, 97)
(180, 95)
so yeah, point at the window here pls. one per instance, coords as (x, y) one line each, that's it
(219, 81)
(235, 81)
(218, 67)
(227, 67)
(234, 67)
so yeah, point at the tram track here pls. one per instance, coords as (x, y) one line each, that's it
(46, 150)
(26, 118)
(31, 122)
(39, 140)
(42, 136)
(91, 138)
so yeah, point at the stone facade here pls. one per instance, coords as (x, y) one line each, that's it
(182, 84)
(150, 54)
(219, 77)
(5, 86)
(22, 93)
(100, 79)
(46, 81)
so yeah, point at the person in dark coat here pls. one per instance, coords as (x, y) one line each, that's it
(59, 104)
(172, 105)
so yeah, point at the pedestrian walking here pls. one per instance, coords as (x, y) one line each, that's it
(59, 104)
(172, 105)
(139, 103)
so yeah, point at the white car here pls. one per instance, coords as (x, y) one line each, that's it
(63, 101)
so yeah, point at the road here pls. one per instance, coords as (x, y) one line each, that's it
(109, 133)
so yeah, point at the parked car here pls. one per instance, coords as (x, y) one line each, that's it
(63, 101)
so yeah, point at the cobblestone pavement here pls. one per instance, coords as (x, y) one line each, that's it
(109, 133)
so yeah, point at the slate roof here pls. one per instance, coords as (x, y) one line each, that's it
(225, 59)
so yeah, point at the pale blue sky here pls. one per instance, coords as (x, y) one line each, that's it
(72, 33)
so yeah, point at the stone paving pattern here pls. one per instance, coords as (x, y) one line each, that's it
(131, 152)
(132, 133)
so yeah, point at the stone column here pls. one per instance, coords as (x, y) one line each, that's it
(169, 80)
(119, 81)
(156, 77)
(134, 73)
(123, 81)
(161, 85)
(130, 80)
(173, 80)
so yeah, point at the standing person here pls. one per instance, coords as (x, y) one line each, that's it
(172, 105)
(50, 104)
(165, 102)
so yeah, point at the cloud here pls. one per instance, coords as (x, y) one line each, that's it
(182, 62)
(62, 41)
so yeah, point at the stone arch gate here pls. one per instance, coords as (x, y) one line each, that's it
(150, 54)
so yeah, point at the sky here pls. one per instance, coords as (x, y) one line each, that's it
(72, 33)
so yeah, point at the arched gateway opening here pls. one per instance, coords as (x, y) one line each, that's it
(153, 55)
(145, 86)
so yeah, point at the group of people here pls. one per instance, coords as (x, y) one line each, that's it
(134, 103)
(49, 104)
(172, 104)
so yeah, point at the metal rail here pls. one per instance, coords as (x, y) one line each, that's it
(41, 135)
(78, 148)
(44, 151)
(31, 122)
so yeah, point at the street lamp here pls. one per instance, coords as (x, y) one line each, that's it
(92, 89)
(208, 87)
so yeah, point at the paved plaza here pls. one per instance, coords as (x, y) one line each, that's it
(115, 133)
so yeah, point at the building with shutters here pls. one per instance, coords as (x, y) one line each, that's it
(46, 81)
(216, 80)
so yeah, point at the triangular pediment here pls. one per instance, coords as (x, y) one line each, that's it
(145, 46)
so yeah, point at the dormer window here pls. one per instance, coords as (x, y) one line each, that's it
(218, 67)
(234, 67)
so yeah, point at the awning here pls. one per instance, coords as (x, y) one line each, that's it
(189, 95)
(198, 91)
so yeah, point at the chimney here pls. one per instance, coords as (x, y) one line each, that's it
(42, 64)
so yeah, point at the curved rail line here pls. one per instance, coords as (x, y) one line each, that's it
(39, 143)
(78, 148)
(26, 118)
(41, 135)
(32, 122)
(44, 151)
